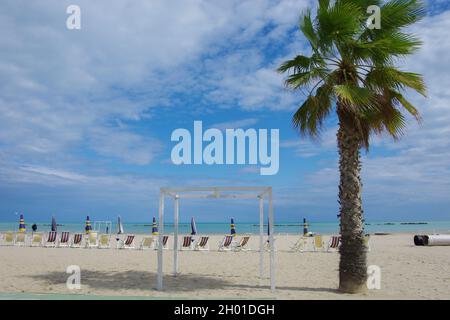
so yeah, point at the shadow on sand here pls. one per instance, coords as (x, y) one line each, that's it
(146, 281)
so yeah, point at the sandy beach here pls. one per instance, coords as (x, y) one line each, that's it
(408, 272)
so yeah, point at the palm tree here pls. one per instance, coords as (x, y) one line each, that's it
(351, 69)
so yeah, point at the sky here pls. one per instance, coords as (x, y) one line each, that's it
(86, 115)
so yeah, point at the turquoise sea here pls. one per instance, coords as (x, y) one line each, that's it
(253, 227)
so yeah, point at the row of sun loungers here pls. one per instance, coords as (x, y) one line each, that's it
(317, 243)
(78, 240)
(103, 241)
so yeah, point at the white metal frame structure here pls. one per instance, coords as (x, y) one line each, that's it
(99, 225)
(260, 193)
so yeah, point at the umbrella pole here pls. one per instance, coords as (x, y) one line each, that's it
(271, 245)
(160, 242)
(261, 241)
(175, 238)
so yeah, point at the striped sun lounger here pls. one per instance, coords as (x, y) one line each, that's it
(187, 243)
(165, 242)
(77, 241)
(64, 239)
(128, 243)
(51, 239)
(334, 243)
(226, 243)
(242, 245)
(202, 244)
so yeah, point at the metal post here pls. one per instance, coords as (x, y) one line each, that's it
(160, 241)
(272, 246)
(175, 236)
(261, 240)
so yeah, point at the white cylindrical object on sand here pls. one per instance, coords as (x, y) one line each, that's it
(437, 240)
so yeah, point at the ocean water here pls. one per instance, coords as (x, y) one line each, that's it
(252, 228)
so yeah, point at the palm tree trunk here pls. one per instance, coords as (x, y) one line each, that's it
(352, 265)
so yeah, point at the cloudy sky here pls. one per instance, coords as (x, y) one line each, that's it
(86, 115)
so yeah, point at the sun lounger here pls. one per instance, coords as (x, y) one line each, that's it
(318, 243)
(226, 243)
(64, 239)
(202, 244)
(77, 241)
(242, 245)
(301, 245)
(92, 240)
(20, 239)
(267, 245)
(128, 243)
(51, 239)
(8, 238)
(187, 243)
(334, 243)
(147, 243)
(165, 242)
(104, 241)
(36, 240)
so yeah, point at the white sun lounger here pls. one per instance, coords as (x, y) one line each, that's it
(104, 241)
(20, 239)
(147, 243)
(92, 240)
(37, 239)
(301, 245)
(8, 238)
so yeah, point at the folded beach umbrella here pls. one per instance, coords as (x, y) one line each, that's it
(88, 227)
(22, 227)
(53, 224)
(154, 227)
(305, 227)
(233, 229)
(119, 225)
(193, 227)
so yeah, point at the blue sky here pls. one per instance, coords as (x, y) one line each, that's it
(86, 116)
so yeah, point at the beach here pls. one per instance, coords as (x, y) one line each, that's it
(407, 271)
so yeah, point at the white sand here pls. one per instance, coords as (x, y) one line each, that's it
(408, 272)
